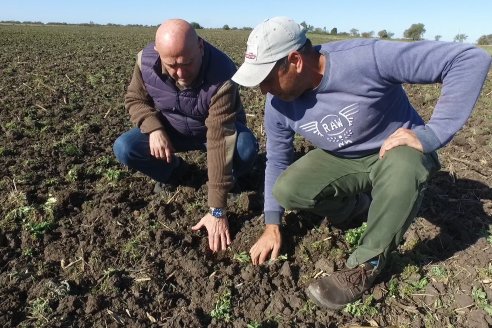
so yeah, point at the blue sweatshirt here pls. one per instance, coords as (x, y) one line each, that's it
(360, 101)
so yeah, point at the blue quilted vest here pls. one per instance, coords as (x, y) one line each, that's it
(186, 110)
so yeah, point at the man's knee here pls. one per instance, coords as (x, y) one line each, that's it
(247, 146)
(283, 191)
(121, 150)
(405, 165)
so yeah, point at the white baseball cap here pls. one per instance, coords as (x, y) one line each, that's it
(270, 41)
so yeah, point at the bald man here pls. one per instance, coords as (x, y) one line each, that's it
(181, 98)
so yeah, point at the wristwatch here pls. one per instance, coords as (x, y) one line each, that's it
(217, 212)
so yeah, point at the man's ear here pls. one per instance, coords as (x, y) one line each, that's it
(296, 59)
(200, 45)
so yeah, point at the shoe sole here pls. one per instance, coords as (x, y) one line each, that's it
(314, 296)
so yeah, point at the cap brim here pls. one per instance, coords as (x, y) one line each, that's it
(250, 75)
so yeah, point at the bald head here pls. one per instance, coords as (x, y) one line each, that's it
(180, 50)
(175, 35)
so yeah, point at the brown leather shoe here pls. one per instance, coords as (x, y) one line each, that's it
(343, 287)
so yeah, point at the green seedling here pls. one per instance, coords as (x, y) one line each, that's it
(280, 258)
(479, 296)
(242, 257)
(393, 290)
(308, 308)
(71, 150)
(360, 308)
(74, 174)
(352, 236)
(222, 310)
(439, 273)
(132, 248)
(113, 175)
(27, 252)
(39, 309)
(253, 324)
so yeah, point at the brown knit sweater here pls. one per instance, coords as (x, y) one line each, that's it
(221, 130)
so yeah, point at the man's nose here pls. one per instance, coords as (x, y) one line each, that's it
(180, 72)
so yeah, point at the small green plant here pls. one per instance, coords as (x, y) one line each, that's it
(38, 229)
(393, 288)
(308, 308)
(113, 175)
(39, 309)
(352, 236)
(74, 174)
(242, 257)
(480, 298)
(222, 310)
(132, 248)
(280, 258)
(71, 150)
(360, 308)
(79, 128)
(27, 252)
(104, 281)
(439, 273)
(489, 235)
(321, 245)
(253, 324)
(486, 273)
(49, 206)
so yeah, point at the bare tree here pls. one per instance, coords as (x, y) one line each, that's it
(460, 37)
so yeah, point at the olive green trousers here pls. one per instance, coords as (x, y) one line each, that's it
(327, 186)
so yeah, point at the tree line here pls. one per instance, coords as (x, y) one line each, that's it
(414, 32)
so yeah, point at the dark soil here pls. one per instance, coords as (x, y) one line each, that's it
(85, 242)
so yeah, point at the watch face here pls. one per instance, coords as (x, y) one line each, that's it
(217, 212)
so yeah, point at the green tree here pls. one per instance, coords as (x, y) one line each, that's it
(334, 31)
(367, 34)
(354, 32)
(460, 37)
(308, 27)
(383, 34)
(485, 40)
(196, 26)
(226, 27)
(415, 32)
(438, 37)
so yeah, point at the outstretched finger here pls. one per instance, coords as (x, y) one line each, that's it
(216, 242)
(275, 252)
(263, 256)
(223, 242)
(228, 237)
(254, 255)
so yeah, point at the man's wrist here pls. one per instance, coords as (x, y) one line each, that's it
(217, 212)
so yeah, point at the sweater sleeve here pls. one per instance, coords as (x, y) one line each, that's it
(221, 142)
(280, 154)
(140, 105)
(461, 69)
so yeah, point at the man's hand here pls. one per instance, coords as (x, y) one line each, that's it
(218, 232)
(401, 137)
(160, 146)
(269, 242)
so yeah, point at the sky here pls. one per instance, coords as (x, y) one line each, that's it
(440, 17)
